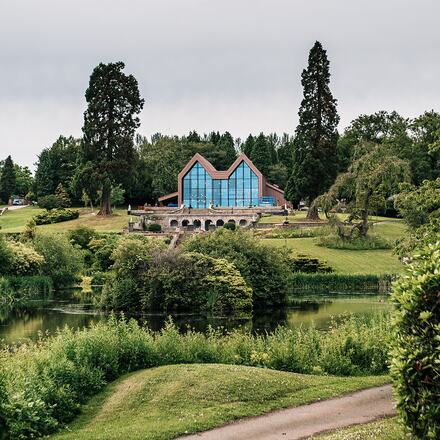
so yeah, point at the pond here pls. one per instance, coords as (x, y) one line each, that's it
(76, 309)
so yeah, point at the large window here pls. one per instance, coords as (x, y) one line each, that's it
(200, 190)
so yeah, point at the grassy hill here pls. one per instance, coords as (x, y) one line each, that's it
(15, 221)
(161, 403)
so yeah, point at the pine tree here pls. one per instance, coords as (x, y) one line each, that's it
(315, 157)
(261, 155)
(226, 144)
(248, 145)
(7, 180)
(62, 196)
(110, 121)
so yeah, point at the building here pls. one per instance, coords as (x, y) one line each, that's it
(207, 198)
(201, 186)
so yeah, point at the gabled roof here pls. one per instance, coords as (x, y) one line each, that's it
(213, 172)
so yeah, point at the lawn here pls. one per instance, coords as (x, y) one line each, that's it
(386, 429)
(15, 221)
(162, 403)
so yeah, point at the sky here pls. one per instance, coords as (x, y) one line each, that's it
(210, 64)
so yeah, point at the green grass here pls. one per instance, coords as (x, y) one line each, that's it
(15, 221)
(343, 261)
(300, 216)
(162, 403)
(386, 429)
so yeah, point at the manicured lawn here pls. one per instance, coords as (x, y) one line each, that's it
(162, 403)
(15, 221)
(343, 261)
(387, 429)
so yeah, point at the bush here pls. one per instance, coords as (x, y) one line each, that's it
(416, 345)
(49, 202)
(307, 264)
(264, 269)
(56, 216)
(154, 227)
(230, 225)
(357, 243)
(335, 282)
(190, 281)
(81, 236)
(25, 260)
(62, 261)
(6, 256)
(30, 287)
(102, 247)
(43, 383)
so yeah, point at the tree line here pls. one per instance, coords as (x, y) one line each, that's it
(111, 163)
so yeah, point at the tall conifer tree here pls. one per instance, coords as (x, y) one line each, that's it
(315, 157)
(261, 155)
(7, 180)
(248, 145)
(226, 144)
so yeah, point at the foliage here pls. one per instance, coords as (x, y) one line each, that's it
(110, 122)
(416, 344)
(367, 184)
(294, 232)
(261, 155)
(103, 247)
(16, 288)
(355, 242)
(56, 165)
(81, 236)
(56, 216)
(117, 196)
(45, 382)
(6, 256)
(62, 196)
(25, 260)
(230, 225)
(49, 202)
(154, 227)
(179, 281)
(315, 158)
(29, 231)
(336, 282)
(7, 180)
(62, 261)
(264, 269)
(306, 264)
(23, 181)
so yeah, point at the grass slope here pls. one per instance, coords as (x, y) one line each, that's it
(161, 403)
(15, 221)
(386, 429)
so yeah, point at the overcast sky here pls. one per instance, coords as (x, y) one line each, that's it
(210, 64)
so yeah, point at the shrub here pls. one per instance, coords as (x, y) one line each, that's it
(29, 287)
(43, 383)
(264, 269)
(49, 202)
(416, 345)
(6, 256)
(62, 261)
(355, 243)
(154, 227)
(25, 260)
(56, 216)
(81, 236)
(102, 247)
(307, 264)
(230, 225)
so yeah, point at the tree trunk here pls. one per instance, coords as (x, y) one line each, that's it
(312, 213)
(106, 208)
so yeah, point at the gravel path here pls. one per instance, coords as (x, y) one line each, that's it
(303, 421)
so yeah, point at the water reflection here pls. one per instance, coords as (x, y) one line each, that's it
(77, 309)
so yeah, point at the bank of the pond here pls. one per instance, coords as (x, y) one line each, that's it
(42, 384)
(20, 288)
(165, 402)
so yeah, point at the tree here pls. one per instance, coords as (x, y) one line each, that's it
(7, 180)
(117, 197)
(23, 180)
(261, 155)
(62, 196)
(110, 122)
(226, 144)
(248, 145)
(56, 165)
(367, 184)
(315, 156)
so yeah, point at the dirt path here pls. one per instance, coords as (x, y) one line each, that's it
(304, 421)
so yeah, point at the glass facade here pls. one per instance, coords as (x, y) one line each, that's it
(200, 190)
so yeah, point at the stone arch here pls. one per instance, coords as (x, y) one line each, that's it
(185, 223)
(197, 224)
(219, 223)
(231, 221)
(243, 222)
(174, 223)
(208, 223)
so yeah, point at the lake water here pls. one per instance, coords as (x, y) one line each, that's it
(76, 309)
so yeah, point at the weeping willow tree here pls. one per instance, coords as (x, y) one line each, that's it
(365, 187)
